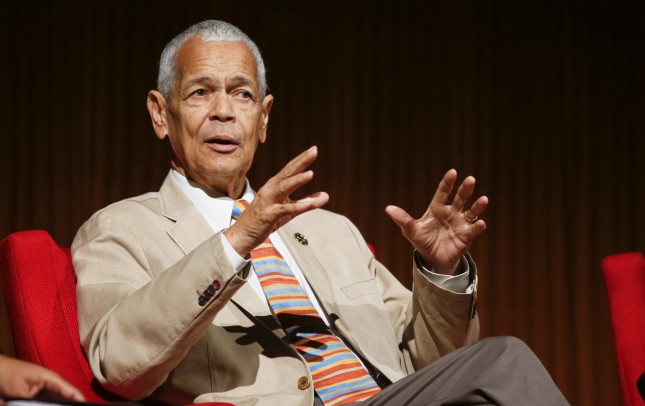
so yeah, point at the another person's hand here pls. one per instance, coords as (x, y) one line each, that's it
(272, 206)
(20, 379)
(446, 230)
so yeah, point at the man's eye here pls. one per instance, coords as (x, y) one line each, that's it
(245, 94)
(199, 92)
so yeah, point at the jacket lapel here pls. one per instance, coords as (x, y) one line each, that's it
(189, 228)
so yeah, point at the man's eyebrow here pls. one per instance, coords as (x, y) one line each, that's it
(237, 80)
(201, 79)
(243, 80)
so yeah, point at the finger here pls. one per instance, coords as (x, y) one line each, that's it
(442, 195)
(313, 201)
(57, 386)
(478, 208)
(291, 177)
(289, 210)
(464, 192)
(63, 390)
(475, 229)
(400, 217)
(299, 163)
(53, 384)
(289, 185)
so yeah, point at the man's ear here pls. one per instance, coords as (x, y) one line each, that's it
(156, 104)
(267, 103)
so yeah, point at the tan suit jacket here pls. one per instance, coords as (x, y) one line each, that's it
(143, 262)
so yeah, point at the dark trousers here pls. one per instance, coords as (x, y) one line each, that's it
(492, 371)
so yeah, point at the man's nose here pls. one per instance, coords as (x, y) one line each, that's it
(221, 109)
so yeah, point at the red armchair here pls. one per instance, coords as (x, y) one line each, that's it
(39, 287)
(40, 296)
(625, 282)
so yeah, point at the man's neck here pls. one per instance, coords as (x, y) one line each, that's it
(245, 188)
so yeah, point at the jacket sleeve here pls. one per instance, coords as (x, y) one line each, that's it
(136, 322)
(440, 321)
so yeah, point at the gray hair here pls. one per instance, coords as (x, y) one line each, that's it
(209, 30)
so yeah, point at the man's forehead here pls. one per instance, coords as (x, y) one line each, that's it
(196, 54)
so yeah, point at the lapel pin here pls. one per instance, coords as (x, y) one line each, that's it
(301, 239)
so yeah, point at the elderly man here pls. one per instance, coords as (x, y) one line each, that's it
(209, 291)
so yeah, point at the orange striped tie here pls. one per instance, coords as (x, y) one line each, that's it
(339, 377)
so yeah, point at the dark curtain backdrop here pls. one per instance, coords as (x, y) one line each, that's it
(541, 101)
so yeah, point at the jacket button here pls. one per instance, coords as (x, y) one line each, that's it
(303, 383)
(201, 300)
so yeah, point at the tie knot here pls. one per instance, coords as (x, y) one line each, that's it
(238, 208)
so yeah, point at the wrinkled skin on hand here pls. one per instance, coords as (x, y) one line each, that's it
(272, 207)
(444, 233)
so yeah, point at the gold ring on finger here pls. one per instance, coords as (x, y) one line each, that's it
(469, 218)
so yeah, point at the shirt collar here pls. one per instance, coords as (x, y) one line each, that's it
(216, 210)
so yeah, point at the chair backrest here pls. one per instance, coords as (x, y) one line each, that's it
(40, 293)
(625, 282)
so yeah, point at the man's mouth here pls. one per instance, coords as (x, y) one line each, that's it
(222, 143)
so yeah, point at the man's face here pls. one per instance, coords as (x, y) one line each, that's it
(215, 118)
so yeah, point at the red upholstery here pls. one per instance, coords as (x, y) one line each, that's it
(625, 282)
(40, 295)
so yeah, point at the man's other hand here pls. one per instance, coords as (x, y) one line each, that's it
(446, 230)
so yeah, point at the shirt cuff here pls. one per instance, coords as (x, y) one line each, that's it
(458, 283)
(234, 258)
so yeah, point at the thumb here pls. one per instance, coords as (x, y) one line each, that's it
(399, 216)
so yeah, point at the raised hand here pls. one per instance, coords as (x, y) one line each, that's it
(446, 230)
(272, 206)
